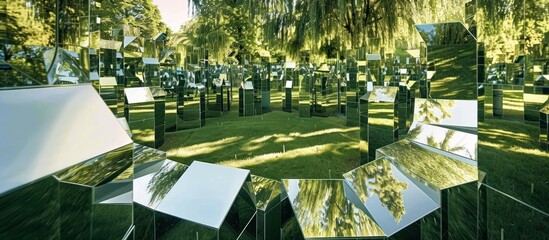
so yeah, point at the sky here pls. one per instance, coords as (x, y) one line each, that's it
(174, 12)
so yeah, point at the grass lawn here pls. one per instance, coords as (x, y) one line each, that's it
(275, 145)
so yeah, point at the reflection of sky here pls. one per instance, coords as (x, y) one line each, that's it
(416, 203)
(463, 113)
(459, 139)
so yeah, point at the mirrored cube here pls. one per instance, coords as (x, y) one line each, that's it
(445, 141)
(534, 97)
(378, 120)
(145, 116)
(455, 114)
(174, 201)
(452, 49)
(287, 98)
(321, 210)
(95, 197)
(291, 75)
(215, 98)
(451, 183)
(246, 99)
(108, 90)
(352, 100)
(388, 195)
(544, 126)
(190, 100)
(52, 135)
(306, 80)
(267, 193)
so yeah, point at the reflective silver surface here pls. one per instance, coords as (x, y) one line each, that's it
(378, 120)
(452, 58)
(323, 211)
(149, 190)
(205, 193)
(388, 196)
(138, 95)
(448, 113)
(448, 140)
(46, 129)
(267, 192)
(428, 167)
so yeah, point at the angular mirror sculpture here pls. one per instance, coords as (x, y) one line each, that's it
(451, 48)
(246, 100)
(268, 205)
(351, 83)
(325, 91)
(544, 126)
(449, 142)
(176, 202)
(291, 93)
(151, 71)
(452, 184)
(66, 67)
(389, 197)
(306, 80)
(95, 197)
(215, 98)
(322, 211)
(108, 90)
(453, 114)
(40, 140)
(133, 58)
(145, 116)
(190, 105)
(378, 120)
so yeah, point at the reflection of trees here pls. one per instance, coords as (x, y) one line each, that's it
(265, 191)
(445, 144)
(377, 178)
(323, 210)
(427, 113)
(162, 182)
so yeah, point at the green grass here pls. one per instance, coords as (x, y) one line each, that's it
(509, 154)
(275, 145)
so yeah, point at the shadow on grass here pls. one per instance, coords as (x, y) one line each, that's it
(275, 145)
(509, 154)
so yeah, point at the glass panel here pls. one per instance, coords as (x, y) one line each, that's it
(433, 169)
(246, 99)
(447, 113)
(448, 140)
(388, 196)
(462, 211)
(323, 211)
(382, 110)
(99, 170)
(223, 186)
(144, 222)
(111, 220)
(75, 204)
(31, 212)
(452, 52)
(67, 123)
(170, 227)
(150, 189)
(306, 81)
(267, 192)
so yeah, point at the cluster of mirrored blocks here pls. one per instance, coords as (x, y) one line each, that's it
(68, 177)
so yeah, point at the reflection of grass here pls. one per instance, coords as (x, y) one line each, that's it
(509, 154)
(275, 145)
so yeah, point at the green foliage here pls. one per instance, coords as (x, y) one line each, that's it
(141, 14)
